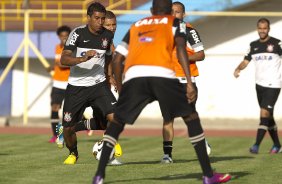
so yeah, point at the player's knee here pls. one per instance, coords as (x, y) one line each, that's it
(110, 117)
(55, 107)
(191, 117)
(266, 112)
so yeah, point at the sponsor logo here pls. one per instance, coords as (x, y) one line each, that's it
(113, 103)
(145, 39)
(67, 116)
(151, 21)
(74, 37)
(255, 49)
(270, 48)
(195, 36)
(270, 107)
(85, 41)
(105, 43)
(263, 57)
(97, 55)
(143, 33)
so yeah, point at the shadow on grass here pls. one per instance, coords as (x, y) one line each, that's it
(158, 161)
(4, 154)
(222, 158)
(197, 176)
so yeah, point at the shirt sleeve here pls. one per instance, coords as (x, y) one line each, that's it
(248, 56)
(280, 48)
(193, 39)
(72, 41)
(179, 28)
(122, 48)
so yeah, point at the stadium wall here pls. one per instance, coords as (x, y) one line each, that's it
(220, 94)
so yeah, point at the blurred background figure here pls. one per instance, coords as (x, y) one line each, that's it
(60, 81)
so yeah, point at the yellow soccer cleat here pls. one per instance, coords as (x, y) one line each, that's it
(118, 150)
(71, 160)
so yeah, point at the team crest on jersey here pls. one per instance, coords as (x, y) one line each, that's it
(270, 48)
(67, 116)
(105, 43)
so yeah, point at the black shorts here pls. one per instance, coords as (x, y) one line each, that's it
(267, 97)
(57, 96)
(138, 92)
(77, 98)
(193, 105)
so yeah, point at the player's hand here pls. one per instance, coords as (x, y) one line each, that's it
(191, 93)
(236, 73)
(88, 55)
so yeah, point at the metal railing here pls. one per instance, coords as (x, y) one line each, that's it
(15, 14)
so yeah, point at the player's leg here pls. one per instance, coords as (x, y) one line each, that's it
(57, 97)
(178, 106)
(168, 134)
(270, 99)
(267, 98)
(133, 98)
(264, 122)
(72, 113)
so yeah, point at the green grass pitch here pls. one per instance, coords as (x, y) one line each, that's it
(29, 159)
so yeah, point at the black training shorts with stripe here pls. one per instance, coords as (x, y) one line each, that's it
(267, 97)
(77, 98)
(138, 92)
(57, 96)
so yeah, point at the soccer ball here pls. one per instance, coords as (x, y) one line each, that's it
(97, 150)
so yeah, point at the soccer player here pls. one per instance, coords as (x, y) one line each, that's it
(95, 120)
(110, 21)
(149, 75)
(60, 80)
(195, 50)
(86, 51)
(266, 54)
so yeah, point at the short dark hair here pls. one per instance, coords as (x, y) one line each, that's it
(95, 7)
(180, 4)
(110, 15)
(263, 20)
(63, 28)
(161, 7)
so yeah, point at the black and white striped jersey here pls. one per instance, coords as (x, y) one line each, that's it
(267, 59)
(81, 40)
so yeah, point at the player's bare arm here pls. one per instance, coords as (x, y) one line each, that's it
(240, 67)
(60, 65)
(118, 69)
(184, 61)
(68, 60)
(197, 56)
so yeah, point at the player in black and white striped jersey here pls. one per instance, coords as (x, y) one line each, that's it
(266, 54)
(87, 51)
